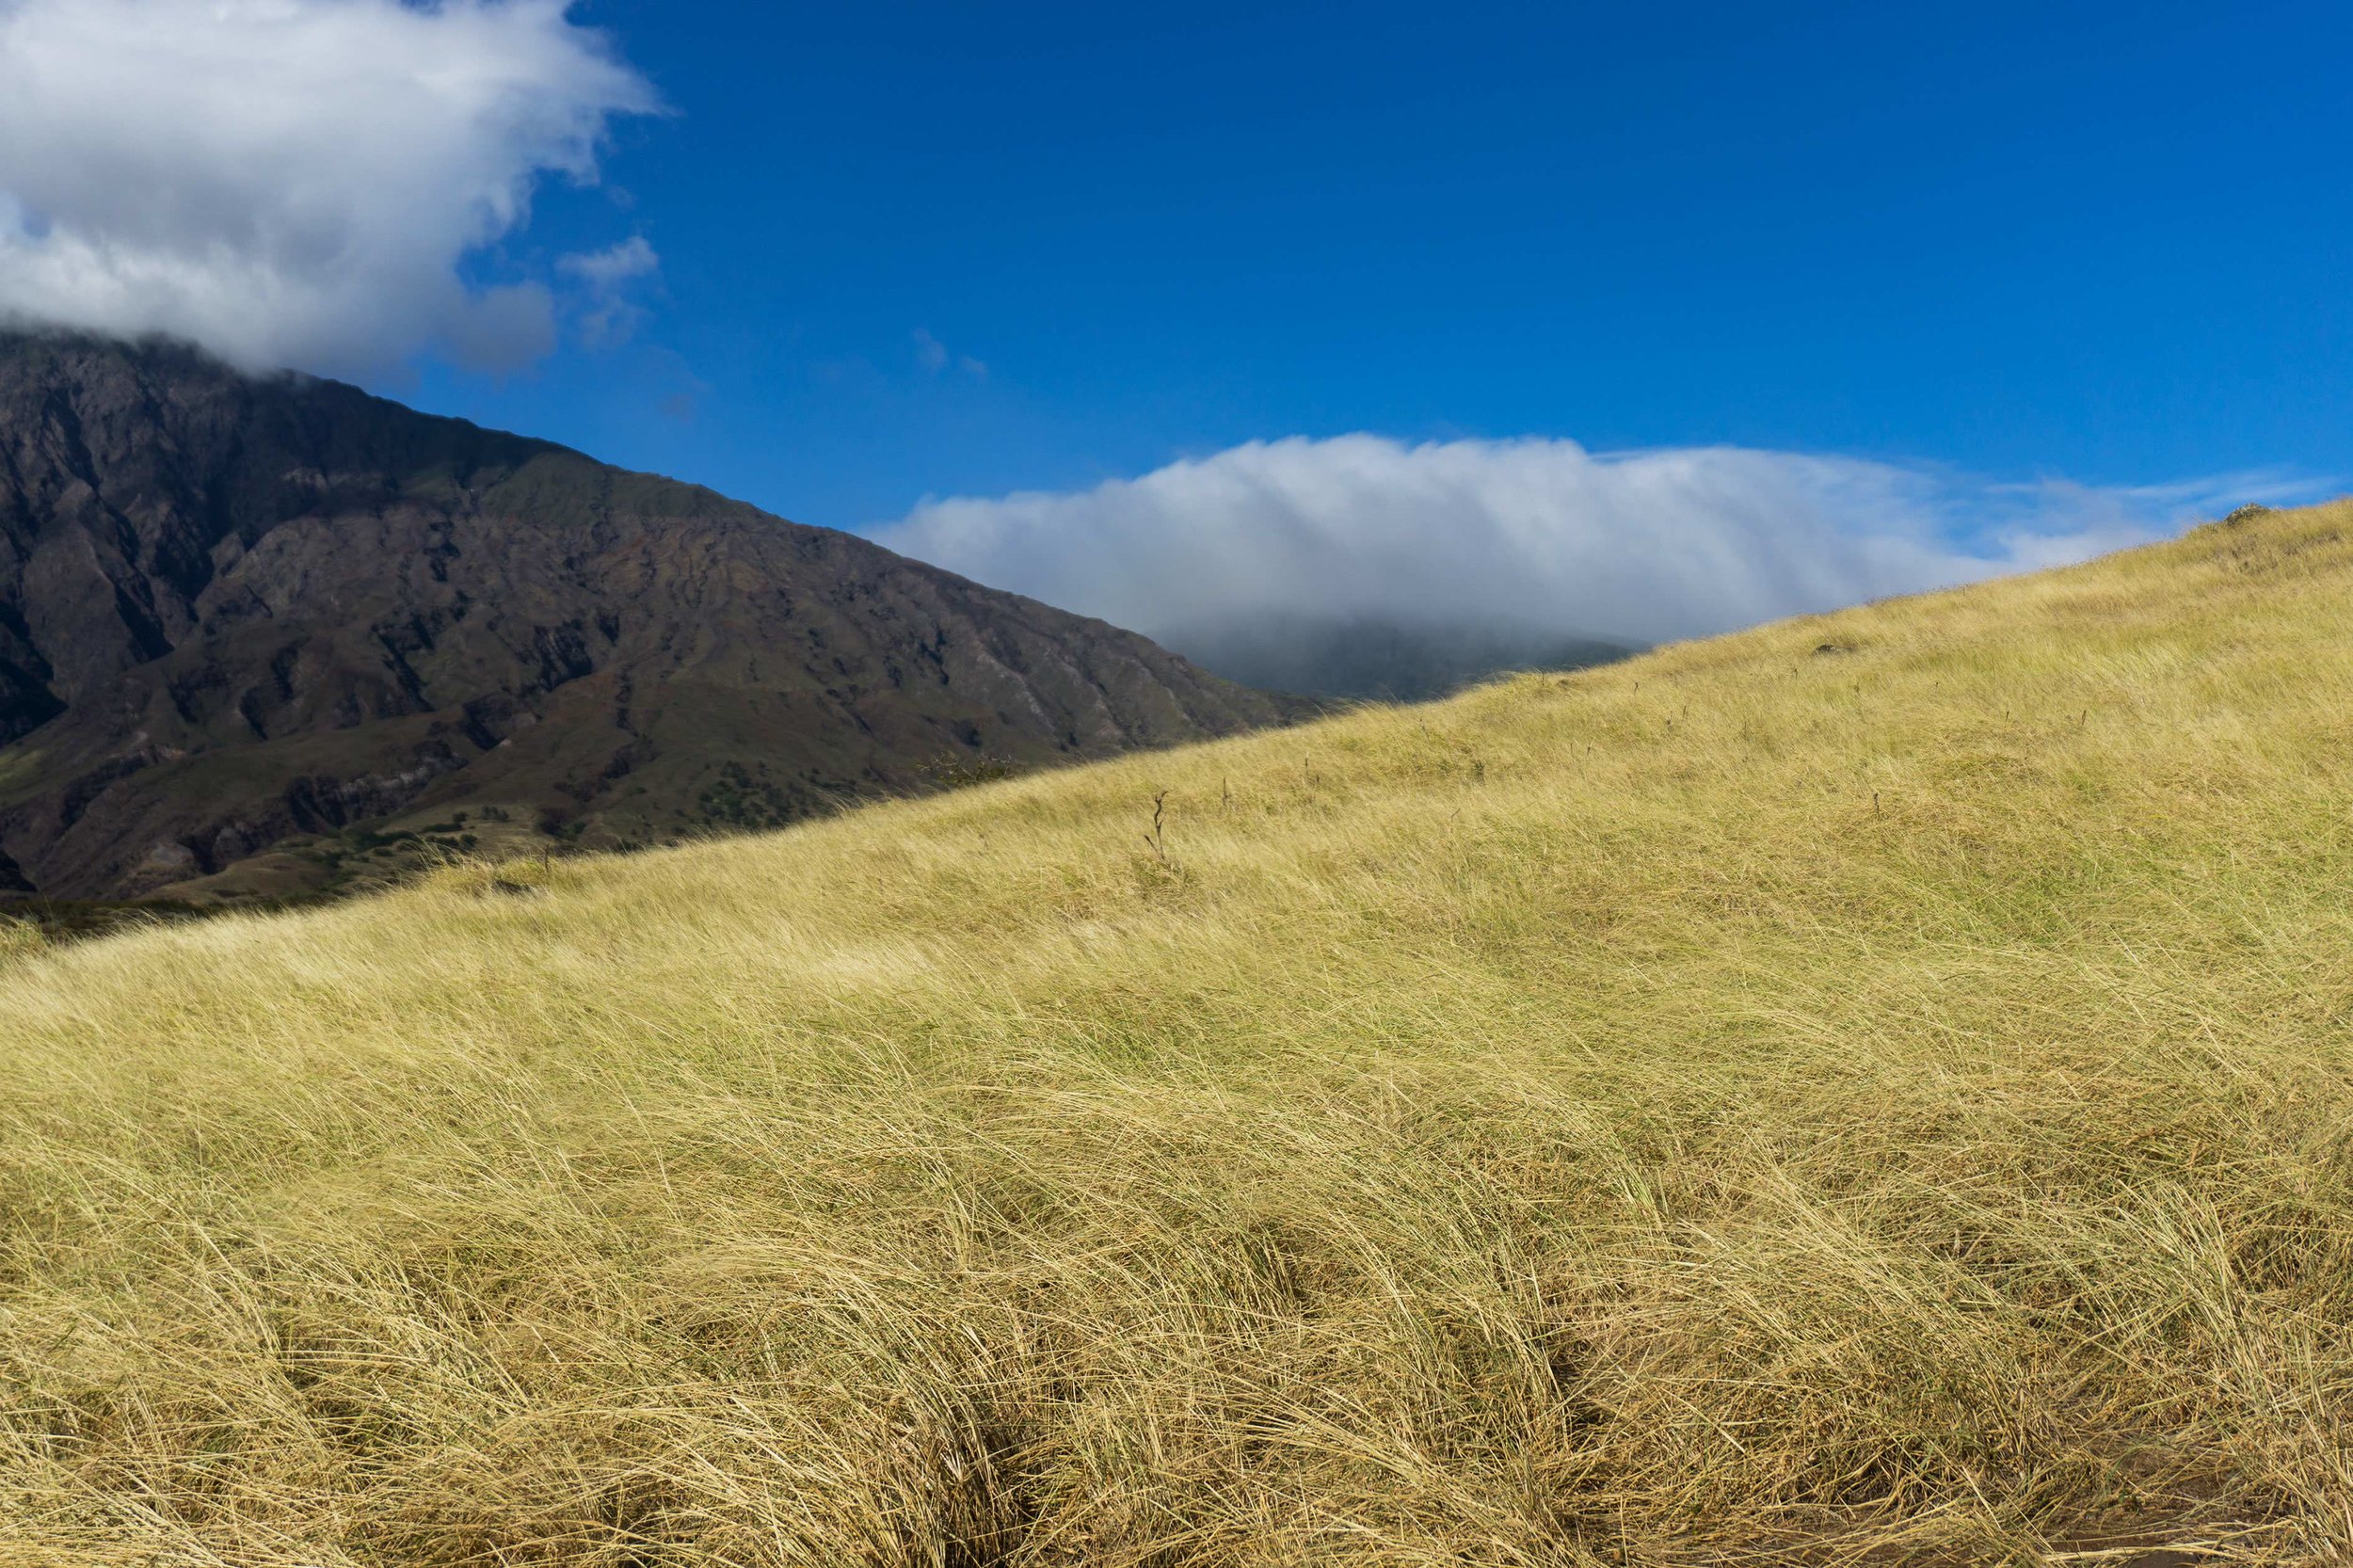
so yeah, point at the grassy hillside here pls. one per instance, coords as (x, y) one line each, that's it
(1747, 1104)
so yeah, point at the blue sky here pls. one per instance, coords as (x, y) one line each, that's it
(1326, 310)
(2109, 242)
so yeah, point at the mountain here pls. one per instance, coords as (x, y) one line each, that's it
(1377, 659)
(1867, 1092)
(258, 633)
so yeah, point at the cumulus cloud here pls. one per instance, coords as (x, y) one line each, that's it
(295, 182)
(1537, 535)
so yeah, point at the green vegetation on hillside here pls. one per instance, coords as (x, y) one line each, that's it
(1873, 1088)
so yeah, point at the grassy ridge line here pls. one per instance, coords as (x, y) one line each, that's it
(1878, 1106)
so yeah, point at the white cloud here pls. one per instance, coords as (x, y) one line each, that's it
(608, 314)
(1540, 535)
(296, 182)
(933, 357)
(610, 268)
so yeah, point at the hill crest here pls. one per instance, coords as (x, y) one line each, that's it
(1744, 1104)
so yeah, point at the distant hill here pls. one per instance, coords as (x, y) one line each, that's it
(1873, 1090)
(257, 635)
(1378, 660)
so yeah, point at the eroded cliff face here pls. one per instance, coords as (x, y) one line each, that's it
(236, 613)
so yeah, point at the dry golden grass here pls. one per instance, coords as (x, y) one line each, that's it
(1745, 1105)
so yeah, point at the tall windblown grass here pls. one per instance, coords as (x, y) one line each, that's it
(1746, 1105)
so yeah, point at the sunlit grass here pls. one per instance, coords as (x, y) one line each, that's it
(1744, 1104)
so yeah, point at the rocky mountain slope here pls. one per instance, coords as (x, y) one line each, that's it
(252, 630)
(1374, 659)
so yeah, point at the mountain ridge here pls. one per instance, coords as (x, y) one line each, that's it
(1382, 658)
(238, 612)
(1870, 1089)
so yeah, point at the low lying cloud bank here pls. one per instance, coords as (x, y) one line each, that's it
(1538, 534)
(302, 182)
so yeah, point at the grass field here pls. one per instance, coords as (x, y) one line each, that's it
(1746, 1105)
